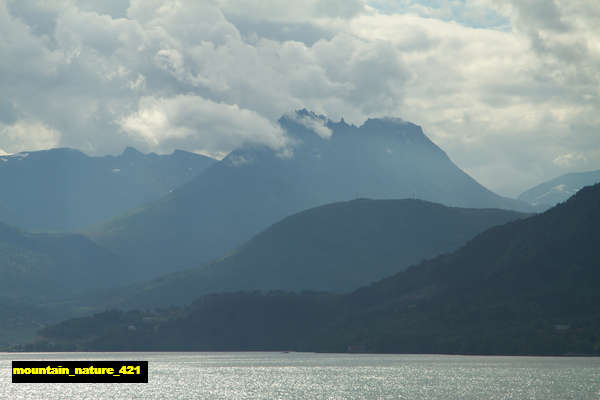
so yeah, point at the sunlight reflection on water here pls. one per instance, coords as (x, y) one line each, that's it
(324, 376)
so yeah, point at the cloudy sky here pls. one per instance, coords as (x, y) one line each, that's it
(510, 89)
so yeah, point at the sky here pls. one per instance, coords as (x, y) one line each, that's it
(510, 89)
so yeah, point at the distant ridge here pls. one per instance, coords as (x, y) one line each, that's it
(552, 192)
(63, 189)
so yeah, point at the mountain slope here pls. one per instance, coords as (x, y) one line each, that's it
(253, 188)
(63, 189)
(41, 266)
(531, 286)
(19, 321)
(550, 193)
(40, 273)
(337, 247)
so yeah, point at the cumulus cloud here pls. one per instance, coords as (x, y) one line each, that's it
(188, 120)
(505, 87)
(503, 110)
(32, 135)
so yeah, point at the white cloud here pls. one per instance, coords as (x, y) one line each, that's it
(502, 111)
(167, 123)
(28, 135)
(568, 159)
(505, 102)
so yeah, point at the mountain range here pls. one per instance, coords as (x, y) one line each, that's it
(184, 211)
(254, 187)
(289, 238)
(531, 286)
(337, 247)
(64, 189)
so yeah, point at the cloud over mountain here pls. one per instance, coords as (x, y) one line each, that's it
(187, 120)
(506, 88)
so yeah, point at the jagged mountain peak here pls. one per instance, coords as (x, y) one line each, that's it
(308, 127)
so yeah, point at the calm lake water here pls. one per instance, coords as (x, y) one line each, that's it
(324, 376)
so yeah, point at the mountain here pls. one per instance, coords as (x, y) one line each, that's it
(254, 187)
(38, 272)
(552, 192)
(337, 247)
(42, 266)
(531, 286)
(64, 189)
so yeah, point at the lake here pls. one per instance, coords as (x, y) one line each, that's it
(323, 376)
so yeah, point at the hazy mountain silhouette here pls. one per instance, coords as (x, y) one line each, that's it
(64, 189)
(37, 267)
(254, 187)
(552, 192)
(40, 273)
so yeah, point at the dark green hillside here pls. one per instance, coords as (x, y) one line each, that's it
(232, 322)
(337, 247)
(531, 286)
